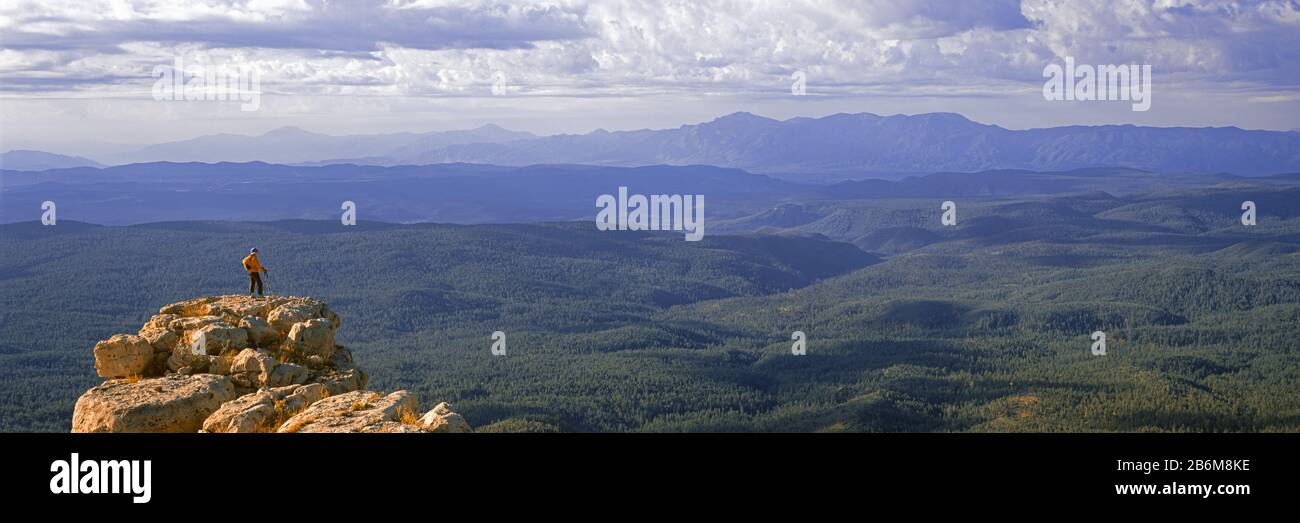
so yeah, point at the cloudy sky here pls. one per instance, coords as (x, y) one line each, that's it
(77, 72)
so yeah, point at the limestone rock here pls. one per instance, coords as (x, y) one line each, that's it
(253, 367)
(219, 364)
(287, 374)
(187, 324)
(219, 337)
(265, 364)
(298, 397)
(237, 305)
(283, 317)
(253, 360)
(248, 413)
(442, 419)
(167, 404)
(233, 311)
(123, 355)
(161, 339)
(194, 307)
(314, 337)
(183, 355)
(164, 342)
(260, 332)
(160, 321)
(263, 410)
(339, 382)
(359, 411)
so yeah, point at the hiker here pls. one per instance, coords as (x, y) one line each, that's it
(254, 267)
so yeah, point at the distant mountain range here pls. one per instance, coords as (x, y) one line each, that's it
(291, 145)
(457, 193)
(24, 160)
(831, 148)
(475, 193)
(849, 145)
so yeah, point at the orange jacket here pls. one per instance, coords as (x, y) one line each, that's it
(252, 265)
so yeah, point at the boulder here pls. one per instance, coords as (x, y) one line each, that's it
(314, 337)
(161, 339)
(164, 342)
(260, 332)
(263, 410)
(342, 381)
(183, 355)
(442, 419)
(159, 321)
(253, 367)
(219, 337)
(168, 404)
(249, 413)
(359, 411)
(219, 364)
(287, 374)
(283, 317)
(298, 397)
(123, 355)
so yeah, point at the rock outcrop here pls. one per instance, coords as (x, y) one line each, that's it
(123, 355)
(243, 364)
(359, 411)
(174, 403)
(442, 419)
(264, 410)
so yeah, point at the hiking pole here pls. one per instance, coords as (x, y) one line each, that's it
(266, 280)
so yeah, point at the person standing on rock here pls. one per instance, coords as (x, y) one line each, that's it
(254, 267)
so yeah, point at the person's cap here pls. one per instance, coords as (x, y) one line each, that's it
(253, 250)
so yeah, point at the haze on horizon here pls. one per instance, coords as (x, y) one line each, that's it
(76, 73)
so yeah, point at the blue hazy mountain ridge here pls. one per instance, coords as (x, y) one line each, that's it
(28, 160)
(471, 193)
(835, 147)
(865, 143)
(295, 145)
(152, 192)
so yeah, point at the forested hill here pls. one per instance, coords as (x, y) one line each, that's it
(408, 291)
(981, 326)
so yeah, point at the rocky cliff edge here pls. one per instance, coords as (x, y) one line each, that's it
(243, 364)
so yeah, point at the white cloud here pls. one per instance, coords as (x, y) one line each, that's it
(607, 49)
